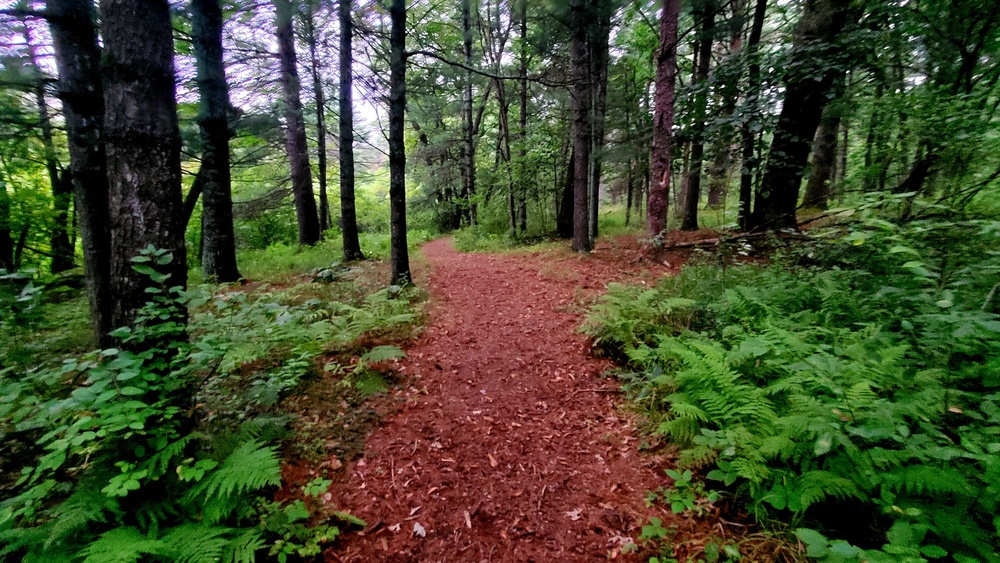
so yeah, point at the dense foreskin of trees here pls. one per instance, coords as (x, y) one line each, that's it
(74, 39)
(218, 255)
(142, 142)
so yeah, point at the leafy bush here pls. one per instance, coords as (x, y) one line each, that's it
(866, 384)
(113, 464)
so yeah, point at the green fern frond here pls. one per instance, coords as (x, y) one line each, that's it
(122, 545)
(928, 480)
(244, 548)
(86, 506)
(382, 354)
(250, 467)
(193, 543)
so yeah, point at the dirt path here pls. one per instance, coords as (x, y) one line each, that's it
(508, 445)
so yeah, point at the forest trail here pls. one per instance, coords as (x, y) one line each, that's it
(508, 443)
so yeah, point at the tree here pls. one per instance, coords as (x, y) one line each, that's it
(663, 119)
(62, 187)
(705, 14)
(348, 214)
(807, 85)
(468, 125)
(747, 144)
(295, 127)
(399, 252)
(582, 133)
(142, 142)
(218, 256)
(74, 39)
(824, 156)
(522, 132)
(600, 30)
(6, 240)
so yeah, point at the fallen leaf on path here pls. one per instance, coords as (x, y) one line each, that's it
(419, 530)
(493, 460)
(468, 519)
(574, 515)
(395, 527)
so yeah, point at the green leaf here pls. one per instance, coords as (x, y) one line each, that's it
(816, 543)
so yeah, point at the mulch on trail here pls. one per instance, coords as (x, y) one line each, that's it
(507, 444)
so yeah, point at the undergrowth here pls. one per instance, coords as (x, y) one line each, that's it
(851, 388)
(168, 448)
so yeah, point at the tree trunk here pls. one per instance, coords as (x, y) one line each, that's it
(62, 252)
(218, 256)
(468, 137)
(707, 16)
(6, 239)
(522, 196)
(143, 145)
(580, 104)
(348, 212)
(397, 150)
(824, 156)
(599, 57)
(663, 120)
(747, 170)
(564, 218)
(806, 89)
(630, 186)
(324, 202)
(298, 151)
(719, 176)
(74, 39)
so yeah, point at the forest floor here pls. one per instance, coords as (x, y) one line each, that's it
(506, 441)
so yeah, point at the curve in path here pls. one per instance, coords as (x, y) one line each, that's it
(508, 445)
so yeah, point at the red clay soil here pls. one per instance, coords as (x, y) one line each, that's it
(509, 444)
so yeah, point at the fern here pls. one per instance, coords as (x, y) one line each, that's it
(250, 467)
(805, 387)
(122, 545)
(194, 543)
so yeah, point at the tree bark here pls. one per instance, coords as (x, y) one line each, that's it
(397, 150)
(719, 176)
(700, 83)
(663, 120)
(74, 39)
(324, 203)
(348, 212)
(564, 217)
(522, 196)
(143, 145)
(6, 239)
(582, 133)
(218, 256)
(599, 56)
(824, 157)
(748, 168)
(298, 151)
(806, 90)
(468, 133)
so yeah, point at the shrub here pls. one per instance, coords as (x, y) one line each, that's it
(865, 382)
